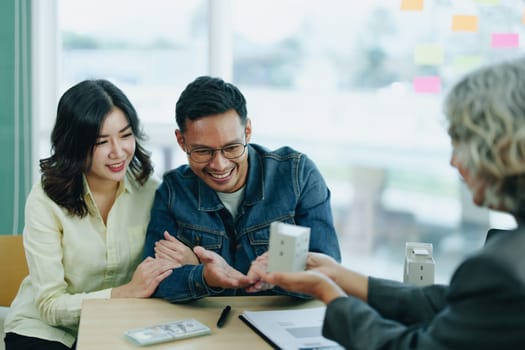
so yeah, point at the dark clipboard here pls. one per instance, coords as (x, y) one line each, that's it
(261, 334)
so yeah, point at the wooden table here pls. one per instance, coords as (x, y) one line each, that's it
(103, 322)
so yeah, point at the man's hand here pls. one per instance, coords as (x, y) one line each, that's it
(218, 273)
(171, 249)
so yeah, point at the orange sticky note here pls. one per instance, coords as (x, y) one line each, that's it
(411, 5)
(427, 84)
(464, 23)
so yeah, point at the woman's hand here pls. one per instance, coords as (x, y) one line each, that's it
(310, 282)
(170, 248)
(145, 280)
(257, 271)
(324, 279)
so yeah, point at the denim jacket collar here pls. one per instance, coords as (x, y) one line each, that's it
(208, 199)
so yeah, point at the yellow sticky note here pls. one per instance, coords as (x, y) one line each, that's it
(429, 54)
(464, 23)
(523, 19)
(411, 5)
(464, 64)
(488, 2)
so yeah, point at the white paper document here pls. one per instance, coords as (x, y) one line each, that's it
(291, 329)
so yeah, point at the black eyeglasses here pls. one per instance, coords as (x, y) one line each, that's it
(204, 155)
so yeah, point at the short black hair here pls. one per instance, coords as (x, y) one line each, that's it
(207, 96)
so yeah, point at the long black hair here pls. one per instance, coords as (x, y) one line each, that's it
(80, 114)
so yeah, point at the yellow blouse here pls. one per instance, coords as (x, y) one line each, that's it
(71, 259)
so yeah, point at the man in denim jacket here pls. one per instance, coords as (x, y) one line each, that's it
(212, 217)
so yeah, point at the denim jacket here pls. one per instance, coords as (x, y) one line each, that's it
(282, 185)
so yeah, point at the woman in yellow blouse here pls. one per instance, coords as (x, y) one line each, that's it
(85, 221)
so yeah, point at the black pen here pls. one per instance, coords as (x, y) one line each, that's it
(224, 315)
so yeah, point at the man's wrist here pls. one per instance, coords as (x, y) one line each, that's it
(200, 286)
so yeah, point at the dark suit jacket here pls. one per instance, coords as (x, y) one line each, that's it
(483, 308)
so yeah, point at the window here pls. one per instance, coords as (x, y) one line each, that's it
(337, 80)
(356, 86)
(150, 49)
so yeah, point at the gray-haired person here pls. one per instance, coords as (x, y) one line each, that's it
(484, 305)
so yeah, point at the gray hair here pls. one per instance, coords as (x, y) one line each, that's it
(486, 121)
